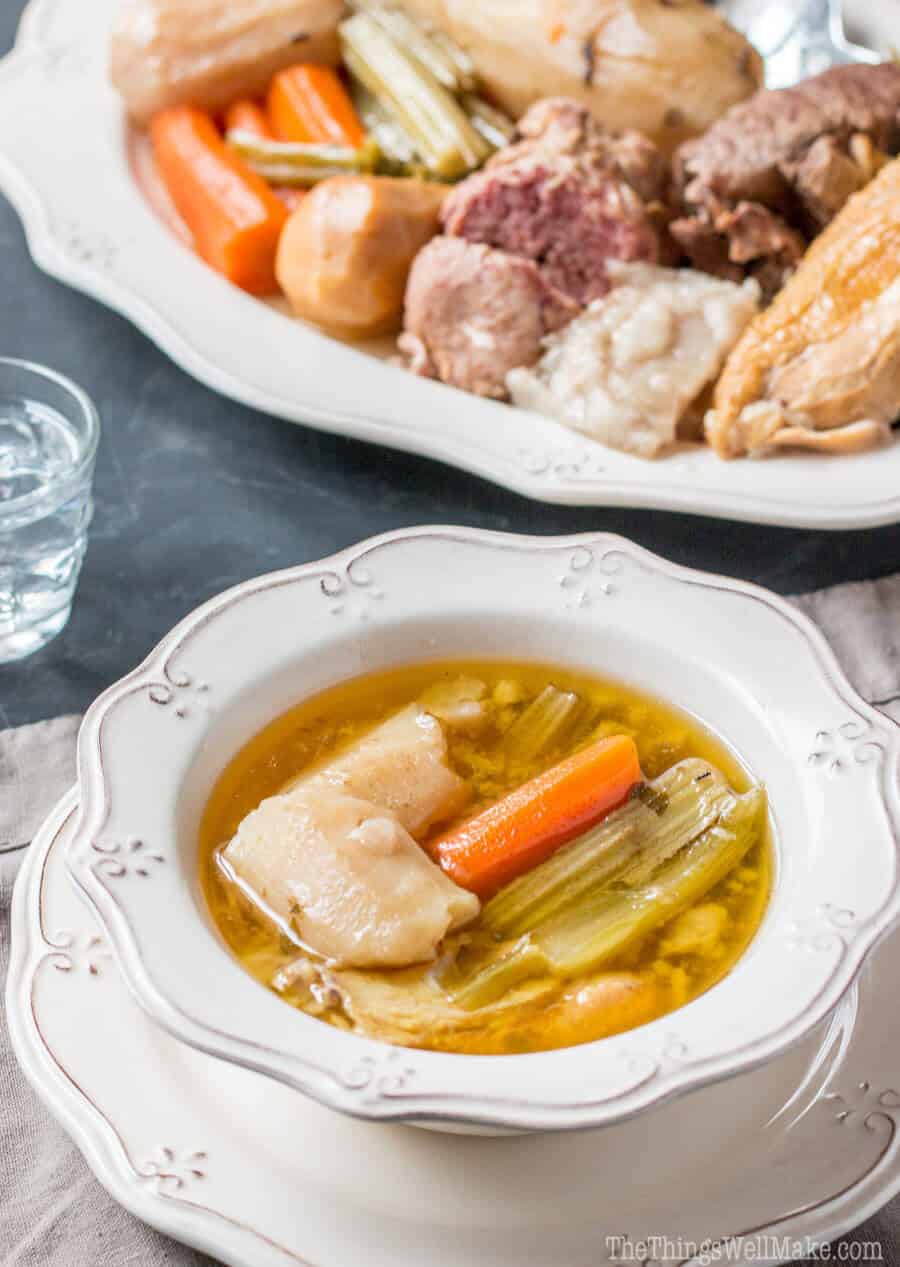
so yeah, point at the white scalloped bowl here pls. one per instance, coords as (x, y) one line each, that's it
(742, 661)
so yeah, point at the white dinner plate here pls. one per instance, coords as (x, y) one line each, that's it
(786, 1157)
(67, 162)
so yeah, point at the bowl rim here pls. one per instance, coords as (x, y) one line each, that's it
(376, 1086)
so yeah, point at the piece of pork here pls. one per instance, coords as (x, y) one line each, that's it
(344, 877)
(560, 125)
(211, 52)
(563, 197)
(473, 314)
(401, 766)
(785, 161)
(820, 368)
(627, 370)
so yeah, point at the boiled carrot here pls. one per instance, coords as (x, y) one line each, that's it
(310, 103)
(233, 215)
(532, 822)
(249, 116)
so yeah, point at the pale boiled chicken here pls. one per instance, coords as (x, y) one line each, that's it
(344, 876)
(667, 68)
(210, 52)
(820, 368)
(400, 766)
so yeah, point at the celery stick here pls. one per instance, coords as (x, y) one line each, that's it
(465, 66)
(404, 31)
(519, 962)
(441, 55)
(616, 920)
(395, 143)
(439, 127)
(631, 841)
(296, 163)
(496, 127)
(547, 720)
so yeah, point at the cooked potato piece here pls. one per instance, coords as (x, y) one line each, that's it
(607, 1005)
(347, 250)
(210, 52)
(668, 69)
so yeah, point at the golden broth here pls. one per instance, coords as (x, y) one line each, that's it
(676, 962)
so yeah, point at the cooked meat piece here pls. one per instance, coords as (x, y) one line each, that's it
(820, 368)
(402, 767)
(795, 154)
(826, 175)
(210, 52)
(563, 126)
(667, 67)
(744, 155)
(749, 241)
(415, 1012)
(562, 198)
(344, 877)
(628, 368)
(473, 314)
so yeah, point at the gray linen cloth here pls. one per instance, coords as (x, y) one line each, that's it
(53, 1213)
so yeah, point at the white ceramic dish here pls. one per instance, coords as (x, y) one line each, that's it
(741, 660)
(89, 225)
(787, 1157)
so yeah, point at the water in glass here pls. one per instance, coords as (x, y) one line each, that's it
(45, 509)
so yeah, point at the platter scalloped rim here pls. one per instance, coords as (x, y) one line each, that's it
(832, 767)
(101, 237)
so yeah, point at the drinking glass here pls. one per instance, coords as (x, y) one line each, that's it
(49, 431)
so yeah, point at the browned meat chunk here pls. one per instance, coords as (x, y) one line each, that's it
(568, 196)
(785, 163)
(473, 314)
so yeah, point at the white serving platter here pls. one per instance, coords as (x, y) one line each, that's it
(784, 1159)
(66, 163)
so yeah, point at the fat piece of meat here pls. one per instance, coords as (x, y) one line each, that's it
(820, 368)
(628, 369)
(473, 314)
(569, 196)
(346, 878)
(784, 162)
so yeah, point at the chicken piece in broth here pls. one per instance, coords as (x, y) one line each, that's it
(345, 878)
(400, 766)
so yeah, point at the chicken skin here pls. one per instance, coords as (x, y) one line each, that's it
(820, 367)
